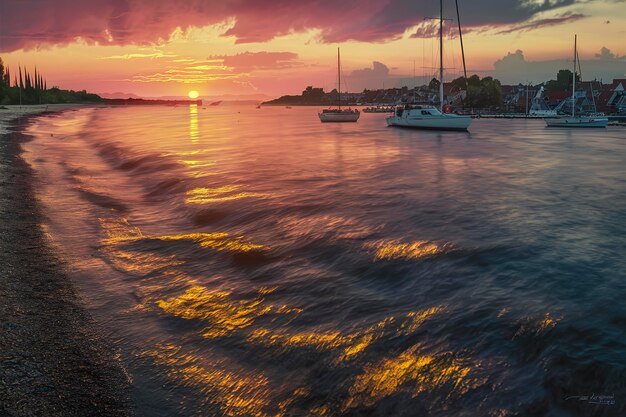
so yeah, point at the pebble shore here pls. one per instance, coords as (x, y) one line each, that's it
(54, 361)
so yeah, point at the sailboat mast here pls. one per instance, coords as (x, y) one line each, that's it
(574, 80)
(441, 55)
(339, 76)
(458, 18)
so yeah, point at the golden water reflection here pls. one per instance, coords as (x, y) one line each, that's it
(414, 372)
(218, 194)
(536, 326)
(223, 314)
(119, 231)
(236, 392)
(395, 250)
(194, 131)
(351, 344)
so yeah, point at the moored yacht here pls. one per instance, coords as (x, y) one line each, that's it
(429, 117)
(577, 121)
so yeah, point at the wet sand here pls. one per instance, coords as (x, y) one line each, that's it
(54, 361)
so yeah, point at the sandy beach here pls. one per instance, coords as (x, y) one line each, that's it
(53, 359)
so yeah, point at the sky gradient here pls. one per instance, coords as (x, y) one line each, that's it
(269, 48)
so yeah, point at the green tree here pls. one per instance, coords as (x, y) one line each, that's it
(483, 93)
(3, 87)
(474, 81)
(433, 84)
(563, 81)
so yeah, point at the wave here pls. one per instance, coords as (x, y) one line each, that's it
(209, 216)
(125, 159)
(102, 200)
(166, 187)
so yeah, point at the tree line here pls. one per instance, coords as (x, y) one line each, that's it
(24, 87)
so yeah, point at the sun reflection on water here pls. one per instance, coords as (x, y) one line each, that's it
(194, 131)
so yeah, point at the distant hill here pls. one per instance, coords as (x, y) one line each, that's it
(142, 102)
(226, 98)
(311, 96)
(119, 95)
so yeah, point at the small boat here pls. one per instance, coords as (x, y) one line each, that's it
(577, 121)
(539, 108)
(591, 120)
(429, 117)
(339, 114)
(287, 107)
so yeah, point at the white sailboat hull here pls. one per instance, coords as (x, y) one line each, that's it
(543, 113)
(578, 121)
(414, 119)
(339, 116)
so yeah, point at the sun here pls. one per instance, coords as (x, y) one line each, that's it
(193, 94)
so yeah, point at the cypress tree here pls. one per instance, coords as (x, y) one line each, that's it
(21, 80)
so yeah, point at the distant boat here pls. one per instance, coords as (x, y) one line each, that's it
(339, 114)
(216, 103)
(429, 117)
(287, 107)
(379, 109)
(539, 106)
(594, 120)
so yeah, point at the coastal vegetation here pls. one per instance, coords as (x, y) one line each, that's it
(481, 93)
(24, 87)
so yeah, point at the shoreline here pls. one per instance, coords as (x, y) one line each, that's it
(54, 361)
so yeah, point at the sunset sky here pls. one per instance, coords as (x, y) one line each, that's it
(261, 47)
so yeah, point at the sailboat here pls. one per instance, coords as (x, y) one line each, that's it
(539, 108)
(339, 114)
(573, 120)
(429, 117)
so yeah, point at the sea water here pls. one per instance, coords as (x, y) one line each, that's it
(256, 262)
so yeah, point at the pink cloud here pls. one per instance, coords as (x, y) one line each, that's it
(258, 60)
(36, 23)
